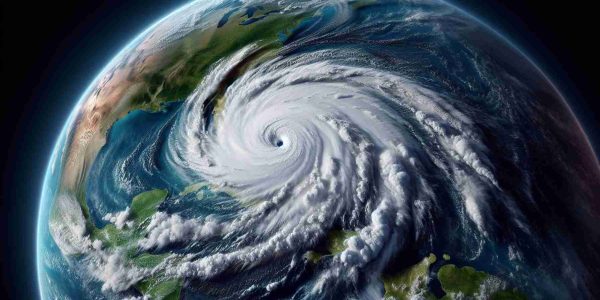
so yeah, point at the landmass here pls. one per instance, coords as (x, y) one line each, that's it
(410, 282)
(456, 282)
(335, 245)
(468, 283)
(143, 206)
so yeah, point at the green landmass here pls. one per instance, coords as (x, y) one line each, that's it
(410, 282)
(465, 280)
(157, 288)
(335, 245)
(146, 204)
(336, 238)
(190, 61)
(466, 283)
(111, 237)
(143, 206)
(457, 282)
(313, 256)
(147, 260)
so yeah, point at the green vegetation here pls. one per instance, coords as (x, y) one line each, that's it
(145, 204)
(157, 288)
(147, 260)
(465, 280)
(410, 282)
(335, 245)
(458, 283)
(336, 240)
(188, 63)
(111, 237)
(313, 256)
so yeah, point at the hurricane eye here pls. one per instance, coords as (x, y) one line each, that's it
(279, 143)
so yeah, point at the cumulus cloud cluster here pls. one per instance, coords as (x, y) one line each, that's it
(120, 219)
(115, 272)
(165, 229)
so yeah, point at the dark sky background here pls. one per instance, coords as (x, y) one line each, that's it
(51, 52)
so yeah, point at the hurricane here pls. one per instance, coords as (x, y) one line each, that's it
(363, 149)
(321, 141)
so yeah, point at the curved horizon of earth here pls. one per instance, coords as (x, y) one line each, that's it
(320, 149)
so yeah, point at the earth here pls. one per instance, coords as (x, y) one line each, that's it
(320, 150)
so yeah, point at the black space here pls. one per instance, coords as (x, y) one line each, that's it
(51, 51)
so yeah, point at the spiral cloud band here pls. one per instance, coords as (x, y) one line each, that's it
(315, 141)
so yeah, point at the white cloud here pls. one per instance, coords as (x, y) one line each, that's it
(120, 219)
(165, 229)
